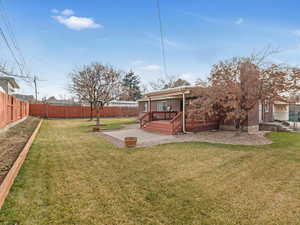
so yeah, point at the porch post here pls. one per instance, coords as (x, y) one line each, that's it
(183, 112)
(149, 110)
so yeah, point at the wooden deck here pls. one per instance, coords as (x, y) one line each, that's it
(159, 126)
(162, 122)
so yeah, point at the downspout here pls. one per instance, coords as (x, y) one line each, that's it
(149, 110)
(183, 113)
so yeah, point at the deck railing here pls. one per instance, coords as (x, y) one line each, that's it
(145, 119)
(172, 116)
(177, 123)
(155, 115)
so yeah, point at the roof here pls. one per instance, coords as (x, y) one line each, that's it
(123, 102)
(178, 91)
(11, 80)
(24, 97)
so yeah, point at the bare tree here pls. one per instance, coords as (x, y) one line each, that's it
(83, 86)
(3, 69)
(97, 84)
(201, 83)
(168, 82)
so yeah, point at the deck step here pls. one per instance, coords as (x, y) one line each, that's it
(161, 126)
(166, 126)
(158, 130)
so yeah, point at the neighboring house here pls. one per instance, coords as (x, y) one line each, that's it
(294, 112)
(53, 101)
(123, 103)
(281, 111)
(25, 98)
(8, 85)
(167, 111)
(284, 111)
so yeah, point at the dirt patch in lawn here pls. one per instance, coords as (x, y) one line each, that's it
(13, 141)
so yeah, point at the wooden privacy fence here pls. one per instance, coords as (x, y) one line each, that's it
(11, 109)
(55, 111)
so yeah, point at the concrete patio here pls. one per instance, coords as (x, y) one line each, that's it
(144, 138)
(150, 139)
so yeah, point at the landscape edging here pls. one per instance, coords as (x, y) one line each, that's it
(14, 170)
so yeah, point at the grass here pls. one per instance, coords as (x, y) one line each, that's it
(72, 176)
(108, 123)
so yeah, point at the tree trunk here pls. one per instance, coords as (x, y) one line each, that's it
(238, 126)
(98, 116)
(91, 113)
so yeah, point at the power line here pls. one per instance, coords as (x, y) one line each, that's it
(10, 49)
(11, 33)
(162, 42)
(20, 61)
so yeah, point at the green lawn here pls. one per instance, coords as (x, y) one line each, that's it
(72, 176)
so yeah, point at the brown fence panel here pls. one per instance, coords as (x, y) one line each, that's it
(11, 109)
(55, 111)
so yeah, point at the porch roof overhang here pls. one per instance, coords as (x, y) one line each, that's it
(171, 93)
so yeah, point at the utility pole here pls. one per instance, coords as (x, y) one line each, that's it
(35, 88)
(35, 80)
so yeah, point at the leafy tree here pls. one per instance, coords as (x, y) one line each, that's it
(131, 87)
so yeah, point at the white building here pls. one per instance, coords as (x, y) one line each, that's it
(281, 111)
(123, 103)
(8, 85)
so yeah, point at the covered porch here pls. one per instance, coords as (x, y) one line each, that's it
(162, 122)
(165, 111)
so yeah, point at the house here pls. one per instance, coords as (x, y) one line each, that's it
(54, 101)
(8, 85)
(284, 111)
(167, 111)
(24, 98)
(294, 112)
(118, 103)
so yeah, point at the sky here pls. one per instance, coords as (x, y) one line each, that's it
(58, 36)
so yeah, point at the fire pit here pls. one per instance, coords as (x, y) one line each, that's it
(130, 142)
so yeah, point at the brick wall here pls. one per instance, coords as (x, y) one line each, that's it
(11, 109)
(54, 111)
(196, 126)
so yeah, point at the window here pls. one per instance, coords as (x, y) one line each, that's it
(146, 107)
(162, 106)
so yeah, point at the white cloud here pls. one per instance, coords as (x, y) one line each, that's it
(189, 77)
(173, 44)
(55, 11)
(137, 62)
(296, 32)
(239, 21)
(74, 22)
(77, 23)
(214, 20)
(67, 12)
(168, 43)
(151, 67)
